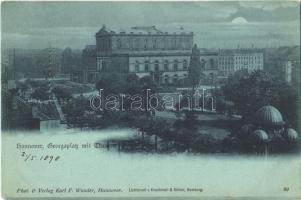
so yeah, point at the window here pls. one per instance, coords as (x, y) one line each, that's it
(175, 65)
(104, 66)
(211, 63)
(145, 44)
(118, 43)
(156, 66)
(131, 43)
(211, 76)
(175, 78)
(155, 44)
(166, 66)
(136, 66)
(146, 67)
(166, 79)
(185, 65)
(203, 63)
(99, 65)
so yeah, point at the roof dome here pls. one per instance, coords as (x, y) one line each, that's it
(260, 135)
(291, 134)
(269, 115)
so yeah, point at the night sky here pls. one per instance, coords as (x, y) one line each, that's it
(215, 24)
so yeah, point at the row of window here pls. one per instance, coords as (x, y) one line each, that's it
(173, 79)
(229, 68)
(152, 43)
(157, 66)
(239, 58)
(240, 61)
(246, 58)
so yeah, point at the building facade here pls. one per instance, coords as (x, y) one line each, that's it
(292, 72)
(209, 63)
(230, 61)
(144, 51)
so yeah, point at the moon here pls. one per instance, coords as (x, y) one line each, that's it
(239, 20)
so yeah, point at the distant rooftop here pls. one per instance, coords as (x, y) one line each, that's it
(147, 29)
(239, 51)
(141, 30)
(204, 51)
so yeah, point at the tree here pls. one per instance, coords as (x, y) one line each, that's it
(67, 61)
(194, 70)
(259, 89)
(61, 93)
(40, 93)
(75, 111)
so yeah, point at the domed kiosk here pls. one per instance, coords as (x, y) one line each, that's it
(269, 116)
(260, 135)
(269, 130)
(270, 119)
(291, 134)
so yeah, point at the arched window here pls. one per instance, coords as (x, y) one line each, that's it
(185, 65)
(175, 65)
(154, 44)
(118, 43)
(166, 79)
(175, 78)
(181, 81)
(99, 65)
(137, 66)
(156, 66)
(203, 63)
(146, 66)
(104, 66)
(145, 43)
(130, 43)
(166, 68)
(211, 75)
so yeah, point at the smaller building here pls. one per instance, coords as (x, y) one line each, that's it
(292, 72)
(232, 60)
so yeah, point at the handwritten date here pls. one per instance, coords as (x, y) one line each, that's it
(47, 158)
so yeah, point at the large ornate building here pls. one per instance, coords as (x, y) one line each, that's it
(143, 51)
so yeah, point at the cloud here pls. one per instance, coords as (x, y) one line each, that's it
(94, 14)
(268, 5)
(268, 12)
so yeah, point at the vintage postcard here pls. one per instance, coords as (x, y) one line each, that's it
(150, 100)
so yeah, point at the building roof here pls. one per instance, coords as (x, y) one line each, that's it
(239, 51)
(269, 116)
(207, 52)
(149, 30)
